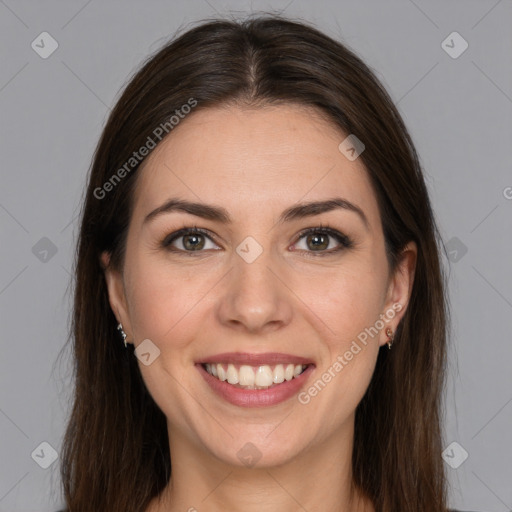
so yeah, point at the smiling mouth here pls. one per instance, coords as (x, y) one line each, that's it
(254, 377)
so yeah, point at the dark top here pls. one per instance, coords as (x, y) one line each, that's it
(451, 510)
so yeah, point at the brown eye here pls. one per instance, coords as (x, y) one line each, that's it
(318, 240)
(188, 240)
(193, 242)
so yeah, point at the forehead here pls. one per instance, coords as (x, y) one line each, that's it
(250, 159)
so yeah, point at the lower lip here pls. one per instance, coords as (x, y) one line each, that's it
(256, 397)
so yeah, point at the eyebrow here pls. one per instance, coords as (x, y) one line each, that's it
(220, 214)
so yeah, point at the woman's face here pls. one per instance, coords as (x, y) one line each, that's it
(251, 290)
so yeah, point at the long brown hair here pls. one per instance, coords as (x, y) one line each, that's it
(115, 454)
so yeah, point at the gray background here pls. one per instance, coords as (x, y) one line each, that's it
(459, 113)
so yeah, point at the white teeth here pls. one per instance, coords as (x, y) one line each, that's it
(246, 376)
(278, 374)
(264, 376)
(221, 374)
(232, 374)
(288, 373)
(254, 377)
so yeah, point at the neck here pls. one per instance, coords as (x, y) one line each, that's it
(317, 480)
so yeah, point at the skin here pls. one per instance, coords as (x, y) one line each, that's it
(255, 163)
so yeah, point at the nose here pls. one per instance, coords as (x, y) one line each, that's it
(256, 298)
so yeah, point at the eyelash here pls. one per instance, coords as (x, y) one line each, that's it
(344, 241)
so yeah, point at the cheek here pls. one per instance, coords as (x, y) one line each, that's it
(164, 299)
(165, 307)
(349, 299)
(350, 306)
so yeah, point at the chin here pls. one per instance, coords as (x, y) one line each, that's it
(255, 450)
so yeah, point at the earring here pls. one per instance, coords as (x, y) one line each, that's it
(390, 335)
(123, 334)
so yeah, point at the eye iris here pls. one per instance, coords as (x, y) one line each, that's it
(186, 239)
(317, 240)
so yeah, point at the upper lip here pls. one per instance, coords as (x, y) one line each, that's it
(268, 358)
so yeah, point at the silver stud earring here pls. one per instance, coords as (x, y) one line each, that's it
(123, 334)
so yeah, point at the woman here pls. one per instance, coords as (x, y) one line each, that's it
(258, 232)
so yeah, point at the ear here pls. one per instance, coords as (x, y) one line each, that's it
(399, 290)
(116, 294)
